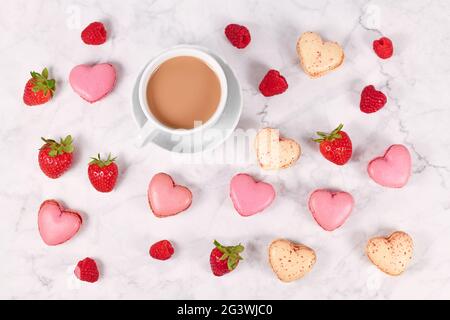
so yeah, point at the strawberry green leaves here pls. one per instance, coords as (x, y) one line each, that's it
(102, 163)
(231, 254)
(42, 83)
(57, 148)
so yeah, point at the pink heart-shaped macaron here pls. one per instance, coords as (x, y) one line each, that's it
(166, 198)
(56, 224)
(93, 83)
(249, 196)
(330, 209)
(393, 169)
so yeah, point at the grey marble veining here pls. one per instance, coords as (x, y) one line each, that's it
(119, 227)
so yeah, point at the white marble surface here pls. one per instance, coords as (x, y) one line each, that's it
(119, 227)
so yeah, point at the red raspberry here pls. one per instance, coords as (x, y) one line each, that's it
(94, 34)
(87, 270)
(162, 250)
(383, 48)
(273, 83)
(372, 100)
(238, 35)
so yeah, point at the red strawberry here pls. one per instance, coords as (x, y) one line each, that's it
(223, 260)
(273, 83)
(103, 173)
(238, 35)
(372, 100)
(39, 89)
(162, 250)
(55, 158)
(336, 146)
(87, 270)
(383, 48)
(94, 34)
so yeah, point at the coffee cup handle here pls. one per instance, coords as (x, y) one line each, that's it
(147, 131)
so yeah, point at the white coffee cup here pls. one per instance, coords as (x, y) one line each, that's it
(153, 124)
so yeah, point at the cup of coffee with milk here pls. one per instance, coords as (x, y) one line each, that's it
(182, 91)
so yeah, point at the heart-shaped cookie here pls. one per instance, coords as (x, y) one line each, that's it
(393, 169)
(392, 254)
(290, 261)
(318, 57)
(56, 224)
(166, 198)
(274, 152)
(93, 83)
(250, 197)
(330, 208)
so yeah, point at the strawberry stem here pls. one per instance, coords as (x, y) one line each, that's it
(102, 163)
(58, 148)
(231, 254)
(42, 83)
(333, 135)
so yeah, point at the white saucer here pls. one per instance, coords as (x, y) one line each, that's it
(218, 133)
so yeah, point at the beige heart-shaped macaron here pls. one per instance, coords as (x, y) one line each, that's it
(290, 261)
(274, 152)
(318, 57)
(391, 254)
